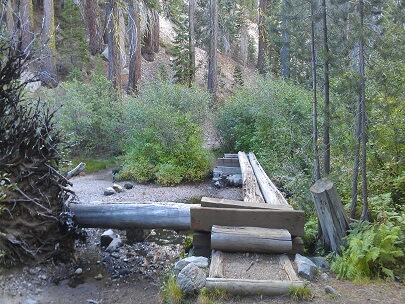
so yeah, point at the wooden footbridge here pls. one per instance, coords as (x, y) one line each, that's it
(262, 224)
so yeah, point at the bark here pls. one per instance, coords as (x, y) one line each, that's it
(212, 59)
(251, 190)
(8, 10)
(93, 25)
(285, 52)
(261, 63)
(48, 66)
(326, 110)
(26, 25)
(147, 50)
(114, 54)
(156, 30)
(317, 172)
(191, 39)
(134, 47)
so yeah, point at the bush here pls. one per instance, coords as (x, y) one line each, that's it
(165, 135)
(91, 116)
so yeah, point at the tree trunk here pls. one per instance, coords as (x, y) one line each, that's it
(8, 11)
(48, 67)
(285, 52)
(212, 59)
(191, 39)
(134, 47)
(26, 27)
(317, 172)
(261, 62)
(156, 30)
(331, 214)
(114, 52)
(93, 25)
(326, 110)
(147, 49)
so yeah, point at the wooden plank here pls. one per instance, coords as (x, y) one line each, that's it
(251, 190)
(285, 263)
(228, 162)
(225, 203)
(217, 265)
(174, 216)
(297, 245)
(221, 170)
(202, 219)
(230, 155)
(270, 192)
(250, 239)
(252, 287)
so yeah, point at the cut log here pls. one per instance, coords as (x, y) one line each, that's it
(217, 265)
(250, 239)
(270, 192)
(252, 287)
(127, 216)
(285, 263)
(251, 190)
(202, 219)
(76, 171)
(331, 214)
(225, 203)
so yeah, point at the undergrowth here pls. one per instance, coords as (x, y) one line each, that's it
(301, 293)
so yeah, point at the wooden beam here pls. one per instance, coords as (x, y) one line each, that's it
(174, 216)
(251, 190)
(252, 287)
(227, 162)
(285, 263)
(217, 265)
(270, 192)
(297, 245)
(202, 219)
(250, 239)
(225, 203)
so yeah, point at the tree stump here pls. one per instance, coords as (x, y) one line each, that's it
(331, 214)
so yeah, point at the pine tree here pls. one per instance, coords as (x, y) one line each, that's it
(237, 76)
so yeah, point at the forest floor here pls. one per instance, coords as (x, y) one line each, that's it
(135, 274)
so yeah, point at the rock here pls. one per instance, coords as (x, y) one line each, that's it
(109, 191)
(99, 276)
(199, 261)
(91, 301)
(321, 263)
(191, 279)
(43, 277)
(31, 86)
(106, 238)
(117, 188)
(104, 54)
(78, 271)
(30, 301)
(331, 290)
(128, 186)
(124, 271)
(324, 276)
(34, 271)
(306, 268)
(114, 245)
(234, 180)
(125, 71)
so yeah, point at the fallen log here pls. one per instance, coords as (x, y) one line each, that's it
(174, 216)
(252, 287)
(217, 265)
(251, 190)
(76, 171)
(270, 192)
(250, 239)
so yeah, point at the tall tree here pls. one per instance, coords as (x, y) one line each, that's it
(212, 59)
(326, 108)
(114, 53)
(26, 25)
(191, 37)
(134, 46)
(93, 25)
(261, 62)
(48, 67)
(285, 48)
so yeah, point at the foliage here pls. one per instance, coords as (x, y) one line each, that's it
(170, 292)
(212, 296)
(165, 135)
(91, 116)
(298, 293)
(272, 120)
(237, 76)
(373, 249)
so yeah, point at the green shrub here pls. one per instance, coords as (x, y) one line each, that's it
(303, 293)
(164, 131)
(170, 292)
(91, 117)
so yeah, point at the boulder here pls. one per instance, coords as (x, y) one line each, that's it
(199, 261)
(306, 268)
(321, 263)
(114, 245)
(128, 185)
(109, 191)
(191, 279)
(117, 188)
(106, 237)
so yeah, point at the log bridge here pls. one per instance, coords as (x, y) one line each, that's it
(262, 223)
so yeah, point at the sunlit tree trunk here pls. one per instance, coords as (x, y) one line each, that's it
(134, 46)
(114, 54)
(261, 62)
(48, 67)
(93, 24)
(212, 64)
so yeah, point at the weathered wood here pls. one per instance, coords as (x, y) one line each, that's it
(252, 287)
(202, 219)
(331, 214)
(222, 170)
(227, 162)
(217, 265)
(225, 203)
(202, 239)
(270, 192)
(230, 155)
(285, 263)
(251, 190)
(126, 216)
(297, 245)
(250, 239)
(76, 171)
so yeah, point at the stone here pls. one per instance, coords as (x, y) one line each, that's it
(324, 276)
(31, 86)
(128, 185)
(306, 268)
(78, 271)
(331, 290)
(99, 276)
(199, 261)
(114, 245)
(117, 188)
(191, 279)
(30, 301)
(106, 238)
(109, 191)
(321, 263)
